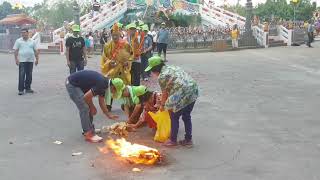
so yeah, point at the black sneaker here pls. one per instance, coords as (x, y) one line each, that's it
(20, 93)
(29, 91)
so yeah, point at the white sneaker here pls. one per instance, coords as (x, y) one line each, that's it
(94, 139)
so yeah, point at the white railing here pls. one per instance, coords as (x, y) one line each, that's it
(285, 34)
(260, 35)
(110, 18)
(37, 38)
(218, 14)
(207, 15)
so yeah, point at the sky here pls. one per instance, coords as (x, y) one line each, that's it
(32, 2)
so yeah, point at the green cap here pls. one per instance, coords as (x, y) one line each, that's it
(132, 25)
(119, 85)
(145, 28)
(153, 61)
(75, 28)
(136, 92)
(140, 22)
(120, 25)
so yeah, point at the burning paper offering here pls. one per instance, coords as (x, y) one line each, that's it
(119, 128)
(133, 153)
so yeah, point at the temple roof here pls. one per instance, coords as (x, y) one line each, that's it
(17, 19)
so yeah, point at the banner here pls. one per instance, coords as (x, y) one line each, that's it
(185, 5)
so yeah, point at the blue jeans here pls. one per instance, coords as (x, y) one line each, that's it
(86, 118)
(76, 66)
(25, 75)
(186, 117)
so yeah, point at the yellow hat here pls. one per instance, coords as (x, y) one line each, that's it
(115, 29)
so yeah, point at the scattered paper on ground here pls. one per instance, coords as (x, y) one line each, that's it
(119, 128)
(57, 142)
(136, 170)
(76, 154)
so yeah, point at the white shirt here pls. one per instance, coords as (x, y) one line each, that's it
(26, 49)
(91, 41)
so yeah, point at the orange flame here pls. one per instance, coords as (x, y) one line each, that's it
(134, 153)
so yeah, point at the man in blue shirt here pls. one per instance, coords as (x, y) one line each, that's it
(82, 86)
(163, 38)
(25, 51)
(310, 30)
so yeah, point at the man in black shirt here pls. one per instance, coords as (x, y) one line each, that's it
(76, 51)
(82, 86)
(104, 38)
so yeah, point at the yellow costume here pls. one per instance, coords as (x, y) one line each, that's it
(116, 59)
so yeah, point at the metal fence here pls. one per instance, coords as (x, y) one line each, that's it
(46, 38)
(209, 39)
(7, 41)
(299, 36)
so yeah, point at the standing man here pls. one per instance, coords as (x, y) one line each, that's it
(136, 40)
(116, 58)
(154, 39)
(82, 86)
(25, 51)
(310, 30)
(104, 38)
(163, 38)
(91, 38)
(76, 51)
(146, 52)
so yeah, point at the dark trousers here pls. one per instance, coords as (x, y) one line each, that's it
(135, 73)
(144, 64)
(186, 117)
(310, 39)
(76, 66)
(25, 75)
(162, 47)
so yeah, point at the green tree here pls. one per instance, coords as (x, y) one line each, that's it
(238, 9)
(184, 20)
(5, 9)
(53, 15)
(283, 10)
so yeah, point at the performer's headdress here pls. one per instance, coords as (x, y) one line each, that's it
(115, 29)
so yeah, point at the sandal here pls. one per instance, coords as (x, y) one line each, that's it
(170, 143)
(187, 143)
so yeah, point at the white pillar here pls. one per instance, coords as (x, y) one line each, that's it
(266, 39)
(290, 37)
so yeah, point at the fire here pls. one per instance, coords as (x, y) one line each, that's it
(134, 153)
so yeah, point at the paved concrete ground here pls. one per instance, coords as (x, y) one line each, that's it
(257, 118)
